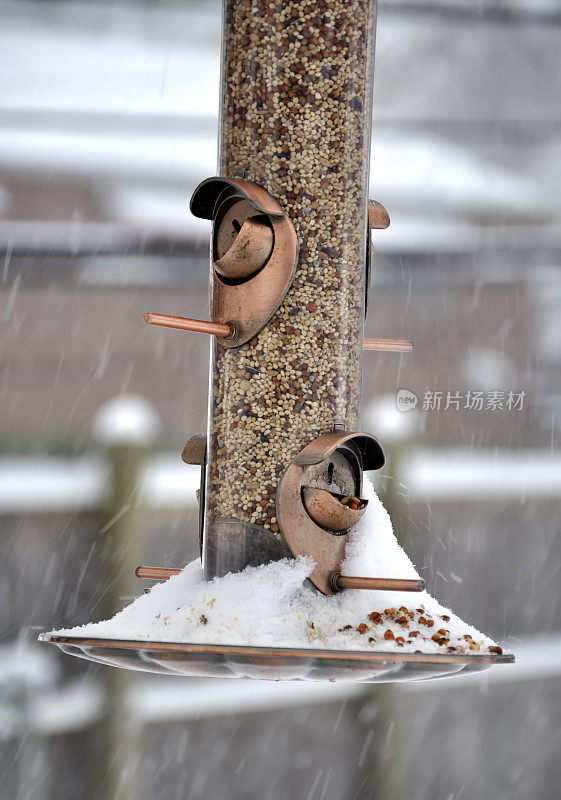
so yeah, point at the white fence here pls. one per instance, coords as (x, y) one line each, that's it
(39, 484)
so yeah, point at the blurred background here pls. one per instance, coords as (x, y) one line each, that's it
(108, 120)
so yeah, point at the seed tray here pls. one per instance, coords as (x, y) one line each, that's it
(272, 663)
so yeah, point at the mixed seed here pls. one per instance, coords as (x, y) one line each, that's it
(417, 625)
(352, 502)
(296, 108)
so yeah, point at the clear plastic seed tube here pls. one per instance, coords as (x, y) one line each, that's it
(295, 118)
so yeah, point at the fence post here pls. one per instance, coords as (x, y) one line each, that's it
(125, 428)
(396, 430)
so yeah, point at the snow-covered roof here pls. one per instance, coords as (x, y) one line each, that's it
(123, 99)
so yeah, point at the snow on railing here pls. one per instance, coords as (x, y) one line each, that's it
(447, 474)
(37, 484)
(47, 483)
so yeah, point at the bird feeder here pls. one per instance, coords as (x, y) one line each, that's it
(283, 458)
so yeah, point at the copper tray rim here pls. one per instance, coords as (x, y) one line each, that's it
(277, 652)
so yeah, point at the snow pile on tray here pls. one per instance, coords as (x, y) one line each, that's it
(274, 605)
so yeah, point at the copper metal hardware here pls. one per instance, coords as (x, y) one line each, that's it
(222, 330)
(194, 452)
(303, 535)
(337, 581)
(156, 573)
(245, 290)
(195, 449)
(254, 255)
(228, 330)
(320, 449)
(388, 345)
(326, 509)
(378, 217)
(241, 248)
(313, 520)
(340, 582)
(276, 663)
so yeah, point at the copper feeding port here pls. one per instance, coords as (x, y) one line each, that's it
(254, 253)
(312, 515)
(334, 512)
(243, 244)
(315, 518)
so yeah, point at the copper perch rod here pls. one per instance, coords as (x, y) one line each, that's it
(156, 573)
(226, 330)
(380, 584)
(338, 581)
(388, 345)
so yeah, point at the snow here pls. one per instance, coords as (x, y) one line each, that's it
(126, 420)
(274, 605)
(74, 707)
(131, 122)
(32, 484)
(120, 63)
(29, 484)
(25, 666)
(169, 483)
(451, 179)
(450, 474)
(390, 424)
(161, 700)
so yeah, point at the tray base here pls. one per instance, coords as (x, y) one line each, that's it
(271, 663)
